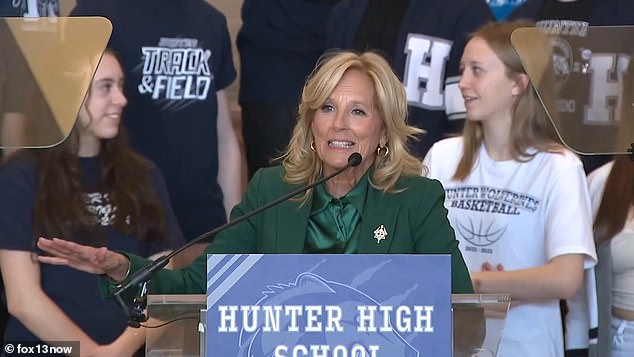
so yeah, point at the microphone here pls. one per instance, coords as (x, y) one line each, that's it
(148, 272)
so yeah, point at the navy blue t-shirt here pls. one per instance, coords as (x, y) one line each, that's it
(279, 43)
(76, 293)
(426, 57)
(176, 56)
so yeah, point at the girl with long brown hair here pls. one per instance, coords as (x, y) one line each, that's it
(91, 189)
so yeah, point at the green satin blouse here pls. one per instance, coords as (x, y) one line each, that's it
(333, 222)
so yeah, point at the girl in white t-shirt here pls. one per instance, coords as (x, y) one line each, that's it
(517, 199)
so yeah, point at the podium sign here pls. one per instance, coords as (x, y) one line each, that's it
(338, 305)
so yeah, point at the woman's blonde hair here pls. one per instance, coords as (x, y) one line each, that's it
(303, 166)
(530, 126)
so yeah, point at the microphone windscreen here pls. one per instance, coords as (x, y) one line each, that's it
(354, 159)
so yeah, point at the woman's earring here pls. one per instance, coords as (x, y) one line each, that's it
(382, 151)
(312, 146)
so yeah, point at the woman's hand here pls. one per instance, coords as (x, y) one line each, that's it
(85, 258)
(478, 277)
(486, 266)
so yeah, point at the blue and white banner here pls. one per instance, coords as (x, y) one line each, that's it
(341, 305)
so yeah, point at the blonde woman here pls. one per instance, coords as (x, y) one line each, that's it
(352, 103)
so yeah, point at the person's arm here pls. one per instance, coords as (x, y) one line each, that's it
(116, 268)
(27, 302)
(229, 156)
(557, 279)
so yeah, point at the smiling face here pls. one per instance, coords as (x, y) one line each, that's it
(100, 115)
(488, 92)
(347, 122)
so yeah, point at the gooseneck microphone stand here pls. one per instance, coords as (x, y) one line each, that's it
(141, 278)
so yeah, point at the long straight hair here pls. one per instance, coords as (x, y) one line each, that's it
(60, 209)
(617, 200)
(530, 127)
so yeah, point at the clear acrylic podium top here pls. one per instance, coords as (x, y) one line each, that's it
(478, 322)
(183, 333)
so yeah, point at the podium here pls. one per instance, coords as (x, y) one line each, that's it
(478, 321)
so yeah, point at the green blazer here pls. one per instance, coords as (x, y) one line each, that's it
(415, 219)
